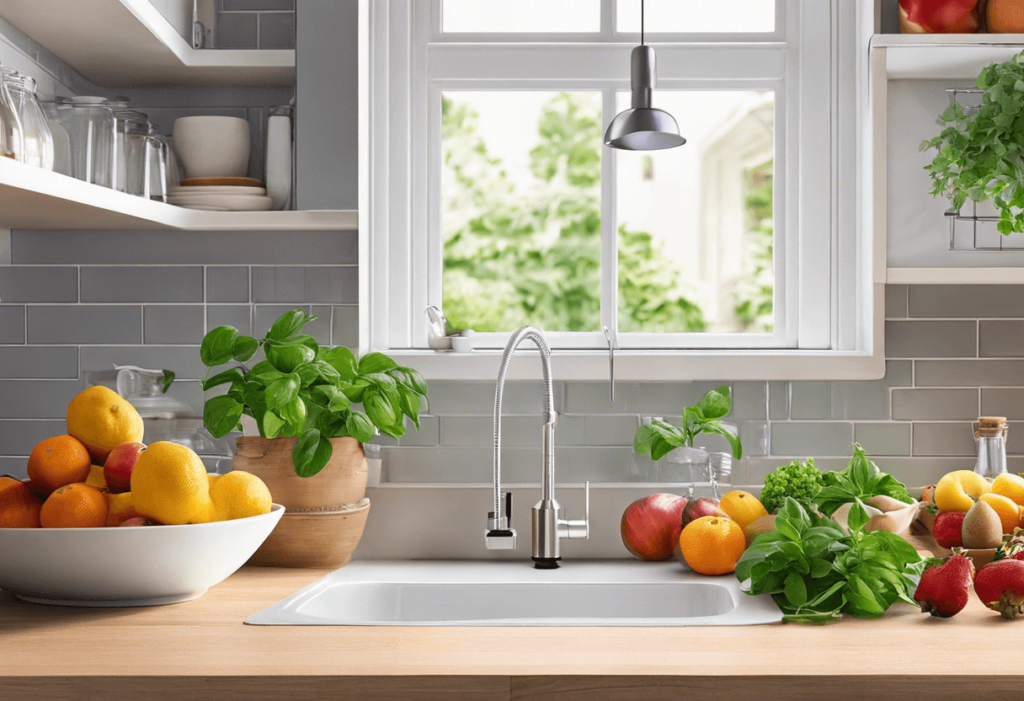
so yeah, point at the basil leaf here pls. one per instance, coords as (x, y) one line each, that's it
(311, 453)
(294, 414)
(716, 403)
(360, 427)
(223, 378)
(661, 448)
(820, 568)
(244, 347)
(342, 360)
(355, 390)
(375, 363)
(379, 409)
(218, 345)
(326, 371)
(857, 518)
(282, 391)
(221, 415)
(288, 324)
(795, 589)
(165, 381)
(643, 439)
(410, 403)
(272, 424)
(336, 400)
(414, 380)
(720, 429)
(287, 358)
(308, 374)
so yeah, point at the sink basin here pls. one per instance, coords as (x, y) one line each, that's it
(466, 593)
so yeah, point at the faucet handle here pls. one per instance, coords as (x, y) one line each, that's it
(578, 527)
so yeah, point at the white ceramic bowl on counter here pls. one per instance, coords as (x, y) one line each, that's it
(127, 566)
(212, 146)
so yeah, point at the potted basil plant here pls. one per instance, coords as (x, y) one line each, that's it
(314, 407)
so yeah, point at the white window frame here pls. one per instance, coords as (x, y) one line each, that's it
(826, 256)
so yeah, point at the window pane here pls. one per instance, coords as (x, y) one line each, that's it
(695, 222)
(521, 210)
(697, 16)
(513, 16)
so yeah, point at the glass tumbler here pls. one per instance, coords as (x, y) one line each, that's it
(136, 167)
(91, 128)
(12, 141)
(38, 141)
(156, 166)
(55, 112)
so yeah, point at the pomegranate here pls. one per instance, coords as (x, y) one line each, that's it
(699, 508)
(651, 526)
(940, 16)
(945, 588)
(1000, 586)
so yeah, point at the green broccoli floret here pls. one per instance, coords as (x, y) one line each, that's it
(800, 480)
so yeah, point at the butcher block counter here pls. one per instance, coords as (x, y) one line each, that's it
(202, 650)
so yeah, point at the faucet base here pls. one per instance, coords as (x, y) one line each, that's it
(546, 563)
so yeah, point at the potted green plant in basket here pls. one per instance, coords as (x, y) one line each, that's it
(314, 407)
(980, 153)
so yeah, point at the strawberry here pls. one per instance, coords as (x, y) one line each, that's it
(1000, 586)
(948, 529)
(945, 587)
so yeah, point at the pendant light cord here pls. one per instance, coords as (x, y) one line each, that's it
(641, 22)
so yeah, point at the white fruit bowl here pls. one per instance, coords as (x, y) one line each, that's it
(127, 566)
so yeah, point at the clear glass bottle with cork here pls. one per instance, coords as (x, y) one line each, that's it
(990, 435)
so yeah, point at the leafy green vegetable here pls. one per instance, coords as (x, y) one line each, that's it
(800, 480)
(979, 155)
(166, 379)
(305, 391)
(660, 438)
(860, 480)
(816, 571)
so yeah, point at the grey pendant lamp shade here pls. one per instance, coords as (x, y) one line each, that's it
(642, 127)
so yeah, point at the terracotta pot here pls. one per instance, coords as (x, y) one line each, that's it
(341, 482)
(313, 539)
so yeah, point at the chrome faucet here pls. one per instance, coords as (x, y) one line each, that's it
(548, 525)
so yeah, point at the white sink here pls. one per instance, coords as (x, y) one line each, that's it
(467, 593)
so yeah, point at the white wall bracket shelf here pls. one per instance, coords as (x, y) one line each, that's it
(944, 56)
(955, 276)
(129, 43)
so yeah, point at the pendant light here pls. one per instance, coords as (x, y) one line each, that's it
(643, 128)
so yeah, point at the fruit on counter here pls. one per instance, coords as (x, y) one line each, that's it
(101, 420)
(1000, 586)
(861, 480)
(712, 545)
(928, 494)
(1004, 16)
(945, 587)
(169, 484)
(74, 506)
(212, 479)
(948, 529)
(742, 507)
(982, 527)
(1005, 508)
(940, 16)
(1010, 486)
(698, 508)
(57, 462)
(19, 507)
(117, 470)
(96, 478)
(799, 480)
(650, 526)
(1012, 546)
(885, 503)
(765, 524)
(139, 521)
(239, 494)
(959, 490)
(120, 508)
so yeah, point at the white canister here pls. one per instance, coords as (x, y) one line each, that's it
(279, 156)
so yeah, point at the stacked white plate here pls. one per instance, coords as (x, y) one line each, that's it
(221, 198)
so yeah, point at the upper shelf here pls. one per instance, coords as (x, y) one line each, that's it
(944, 56)
(33, 198)
(128, 42)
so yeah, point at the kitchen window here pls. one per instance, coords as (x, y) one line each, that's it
(489, 191)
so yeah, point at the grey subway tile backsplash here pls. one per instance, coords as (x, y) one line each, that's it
(37, 399)
(237, 30)
(883, 438)
(51, 362)
(257, 5)
(778, 401)
(811, 439)
(146, 284)
(609, 430)
(931, 339)
(935, 404)
(183, 360)
(292, 284)
(968, 373)
(84, 324)
(895, 301)
(970, 301)
(19, 437)
(277, 30)
(944, 439)
(1002, 401)
(12, 324)
(227, 284)
(750, 400)
(346, 327)
(1001, 338)
(38, 284)
(237, 315)
(173, 324)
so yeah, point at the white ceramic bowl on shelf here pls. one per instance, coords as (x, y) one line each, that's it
(127, 566)
(212, 146)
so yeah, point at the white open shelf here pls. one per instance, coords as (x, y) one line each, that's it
(33, 198)
(944, 56)
(954, 276)
(128, 42)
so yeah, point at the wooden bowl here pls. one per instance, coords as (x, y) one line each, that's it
(314, 538)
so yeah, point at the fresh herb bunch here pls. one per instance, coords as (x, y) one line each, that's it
(816, 571)
(660, 438)
(303, 389)
(860, 480)
(800, 480)
(980, 155)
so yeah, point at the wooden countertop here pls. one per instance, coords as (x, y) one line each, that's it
(201, 649)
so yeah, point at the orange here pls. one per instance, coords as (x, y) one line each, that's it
(101, 419)
(712, 545)
(1011, 486)
(1008, 512)
(742, 507)
(56, 462)
(96, 478)
(169, 485)
(120, 508)
(239, 495)
(19, 507)
(74, 506)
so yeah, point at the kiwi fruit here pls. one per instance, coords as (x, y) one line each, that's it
(982, 527)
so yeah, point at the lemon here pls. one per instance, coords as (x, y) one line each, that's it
(101, 419)
(169, 485)
(239, 495)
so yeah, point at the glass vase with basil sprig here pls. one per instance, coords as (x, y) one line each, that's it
(306, 391)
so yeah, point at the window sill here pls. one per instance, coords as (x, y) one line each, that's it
(651, 365)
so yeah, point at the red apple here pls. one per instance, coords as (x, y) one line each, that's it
(117, 470)
(940, 16)
(650, 526)
(139, 521)
(698, 508)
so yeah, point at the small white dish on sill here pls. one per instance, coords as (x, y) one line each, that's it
(127, 566)
(230, 203)
(217, 190)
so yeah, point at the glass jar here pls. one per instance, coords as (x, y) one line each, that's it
(156, 159)
(990, 434)
(35, 130)
(91, 128)
(173, 175)
(12, 141)
(55, 112)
